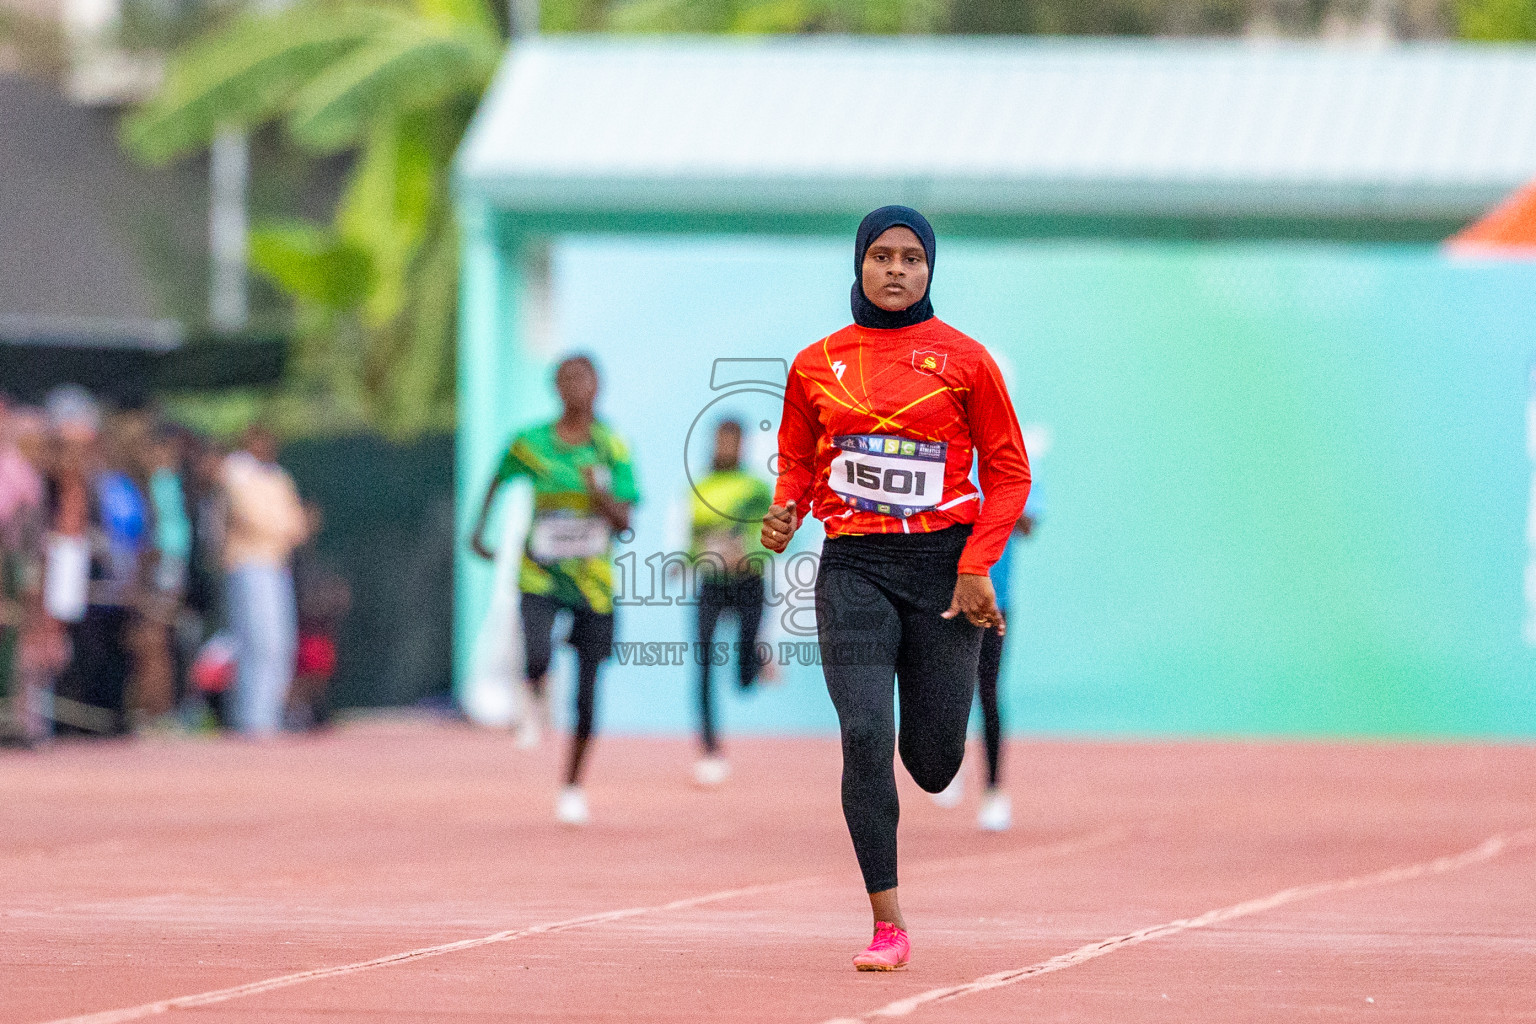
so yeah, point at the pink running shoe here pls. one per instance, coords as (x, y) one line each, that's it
(890, 951)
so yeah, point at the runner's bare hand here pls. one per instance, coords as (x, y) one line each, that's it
(779, 527)
(975, 598)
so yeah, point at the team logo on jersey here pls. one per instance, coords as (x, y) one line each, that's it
(838, 367)
(929, 362)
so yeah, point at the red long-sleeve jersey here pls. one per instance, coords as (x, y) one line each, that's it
(879, 430)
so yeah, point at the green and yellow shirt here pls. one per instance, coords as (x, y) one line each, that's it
(567, 556)
(728, 510)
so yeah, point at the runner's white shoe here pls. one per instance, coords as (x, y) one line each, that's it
(711, 771)
(571, 808)
(950, 796)
(996, 814)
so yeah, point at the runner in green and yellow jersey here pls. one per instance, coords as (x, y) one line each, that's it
(728, 554)
(583, 489)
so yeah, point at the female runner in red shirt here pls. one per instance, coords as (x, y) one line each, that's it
(881, 421)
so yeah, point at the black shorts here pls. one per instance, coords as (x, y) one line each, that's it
(591, 633)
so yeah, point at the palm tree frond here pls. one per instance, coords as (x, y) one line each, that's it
(671, 16)
(775, 17)
(422, 384)
(389, 204)
(474, 15)
(312, 263)
(886, 16)
(241, 77)
(375, 291)
(394, 72)
(1496, 20)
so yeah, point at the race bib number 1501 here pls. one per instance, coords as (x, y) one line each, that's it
(892, 476)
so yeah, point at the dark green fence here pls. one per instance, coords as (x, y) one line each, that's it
(389, 531)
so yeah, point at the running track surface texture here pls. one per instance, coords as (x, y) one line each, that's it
(402, 871)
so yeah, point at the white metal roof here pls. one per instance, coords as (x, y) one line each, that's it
(1009, 127)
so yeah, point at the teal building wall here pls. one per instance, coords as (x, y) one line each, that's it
(1286, 487)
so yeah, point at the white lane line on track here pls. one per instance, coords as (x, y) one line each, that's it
(1485, 851)
(1062, 849)
(287, 980)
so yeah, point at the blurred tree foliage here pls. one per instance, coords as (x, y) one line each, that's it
(1404, 19)
(779, 16)
(394, 83)
(1100, 17)
(1400, 18)
(1497, 20)
(375, 288)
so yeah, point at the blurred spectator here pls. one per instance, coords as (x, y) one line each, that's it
(173, 527)
(43, 648)
(73, 422)
(203, 617)
(158, 674)
(117, 522)
(728, 508)
(144, 571)
(324, 599)
(265, 524)
(21, 552)
(213, 674)
(100, 522)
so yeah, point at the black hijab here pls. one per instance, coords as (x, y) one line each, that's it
(865, 312)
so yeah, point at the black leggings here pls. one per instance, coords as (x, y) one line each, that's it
(744, 596)
(878, 604)
(986, 688)
(592, 637)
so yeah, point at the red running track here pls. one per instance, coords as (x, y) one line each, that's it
(412, 872)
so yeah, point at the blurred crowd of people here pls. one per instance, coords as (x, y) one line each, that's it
(152, 579)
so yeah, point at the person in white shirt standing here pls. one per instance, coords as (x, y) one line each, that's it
(266, 522)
